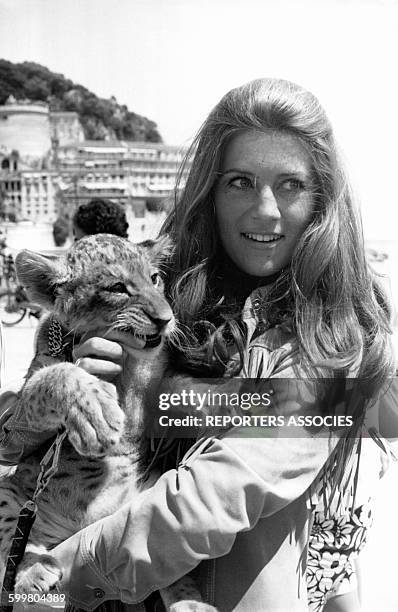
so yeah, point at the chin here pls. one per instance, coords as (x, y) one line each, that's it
(260, 271)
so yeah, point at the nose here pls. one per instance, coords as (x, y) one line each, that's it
(266, 204)
(161, 321)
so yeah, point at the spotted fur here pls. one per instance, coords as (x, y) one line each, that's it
(104, 284)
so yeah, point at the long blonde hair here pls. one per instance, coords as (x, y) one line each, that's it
(339, 311)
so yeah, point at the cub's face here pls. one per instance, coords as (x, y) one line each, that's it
(104, 282)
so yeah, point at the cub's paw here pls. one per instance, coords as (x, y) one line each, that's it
(191, 606)
(65, 394)
(40, 577)
(184, 596)
(94, 418)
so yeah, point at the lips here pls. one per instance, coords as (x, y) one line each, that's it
(262, 238)
(152, 341)
(148, 340)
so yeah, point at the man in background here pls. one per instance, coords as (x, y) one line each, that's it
(99, 217)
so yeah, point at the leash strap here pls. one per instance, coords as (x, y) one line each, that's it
(26, 519)
(20, 538)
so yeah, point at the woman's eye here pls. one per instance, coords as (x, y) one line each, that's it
(240, 182)
(155, 278)
(293, 185)
(117, 288)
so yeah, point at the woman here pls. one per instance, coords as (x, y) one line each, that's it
(265, 223)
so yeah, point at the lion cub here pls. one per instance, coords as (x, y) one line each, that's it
(104, 284)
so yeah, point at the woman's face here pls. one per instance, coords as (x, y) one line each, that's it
(263, 199)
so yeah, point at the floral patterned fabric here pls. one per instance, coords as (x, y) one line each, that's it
(335, 541)
(333, 547)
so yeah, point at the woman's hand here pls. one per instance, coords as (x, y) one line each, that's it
(103, 355)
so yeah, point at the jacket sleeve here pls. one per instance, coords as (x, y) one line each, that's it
(17, 439)
(11, 446)
(223, 487)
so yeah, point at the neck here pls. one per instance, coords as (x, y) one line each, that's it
(236, 284)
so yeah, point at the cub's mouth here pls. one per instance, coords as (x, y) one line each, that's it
(151, 340)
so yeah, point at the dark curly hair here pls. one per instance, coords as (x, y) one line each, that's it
(101, 217)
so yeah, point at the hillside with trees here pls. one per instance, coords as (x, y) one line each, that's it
(99, 117)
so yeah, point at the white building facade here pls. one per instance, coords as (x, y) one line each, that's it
(47, 168)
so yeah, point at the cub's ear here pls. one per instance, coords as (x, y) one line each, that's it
(39, 275)
(158, 250)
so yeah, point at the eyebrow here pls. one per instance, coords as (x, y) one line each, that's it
(299, 173)
(236, 170)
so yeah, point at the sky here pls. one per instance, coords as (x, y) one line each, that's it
(172, 60)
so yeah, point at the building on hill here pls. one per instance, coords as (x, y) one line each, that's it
(65, 128)
(47, 168)
(25, 127)
(38, 195)
(139, 174)
(26, 193)
(33, 130)
(10, 186)
(29, 137)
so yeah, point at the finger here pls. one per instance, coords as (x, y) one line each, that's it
(99, 347)
(131, 345)
(102, 368)
(128, 341)
(114, 335)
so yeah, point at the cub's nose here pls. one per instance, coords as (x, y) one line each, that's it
(160, 322)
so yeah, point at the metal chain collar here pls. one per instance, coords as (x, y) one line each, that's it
(50, 459)
(55, 338)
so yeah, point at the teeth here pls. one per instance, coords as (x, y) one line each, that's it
(263, 237)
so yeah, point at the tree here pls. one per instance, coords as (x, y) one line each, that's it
(100, 118)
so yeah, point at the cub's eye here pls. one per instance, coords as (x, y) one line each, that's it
(155, 278)
(117, 288)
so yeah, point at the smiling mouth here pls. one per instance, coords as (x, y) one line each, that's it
(264, 238)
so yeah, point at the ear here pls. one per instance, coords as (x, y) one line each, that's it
(39, 275)
(158, 250)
